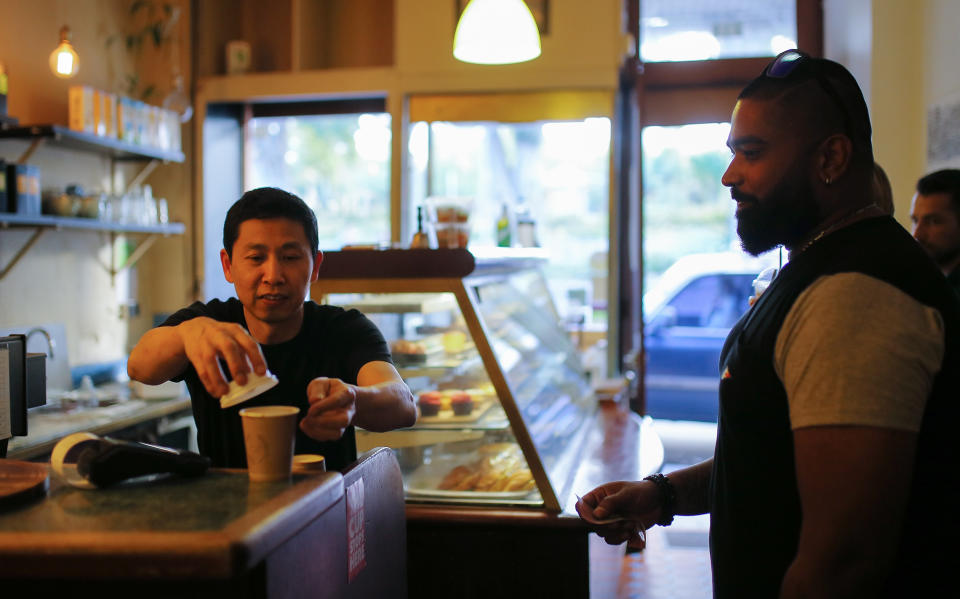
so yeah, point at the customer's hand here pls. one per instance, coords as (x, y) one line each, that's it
(206, 341)
(333, 405)
(637, 502)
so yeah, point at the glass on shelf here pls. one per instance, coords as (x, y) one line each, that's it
(163, 213)
(104, 207)
(148, 214)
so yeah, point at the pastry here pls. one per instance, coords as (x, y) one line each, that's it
(482, 393)
(521, 480)
(404, 346)
(454, 477)
(468, 482)
(454, 342)
(490, 481)
(500, 468)
(461, 403)
(496, 448)
(429, 403)
(500, 485)
(406, 352)
(445, 397)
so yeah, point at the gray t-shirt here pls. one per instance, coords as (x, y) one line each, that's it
(854, 350)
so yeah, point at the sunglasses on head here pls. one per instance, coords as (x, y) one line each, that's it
(788, 61)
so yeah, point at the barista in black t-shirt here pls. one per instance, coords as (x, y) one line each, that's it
(331, 363)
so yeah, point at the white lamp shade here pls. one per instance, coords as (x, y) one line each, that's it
(496, 32)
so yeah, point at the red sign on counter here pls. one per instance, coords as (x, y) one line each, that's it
(356, 535)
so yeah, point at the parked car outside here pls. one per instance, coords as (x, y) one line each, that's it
(688, 313)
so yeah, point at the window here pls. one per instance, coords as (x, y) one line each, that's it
(714, 301)
(555, 172)
(338, 163)
(523, 153)
(333, 154)
(686, 209)
(712, 29)
(694, 58)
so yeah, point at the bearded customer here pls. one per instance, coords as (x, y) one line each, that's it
(935, 213)
(834, 473)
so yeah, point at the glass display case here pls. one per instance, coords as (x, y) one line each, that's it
(503, 401)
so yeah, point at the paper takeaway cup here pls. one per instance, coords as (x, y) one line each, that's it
(268, 434)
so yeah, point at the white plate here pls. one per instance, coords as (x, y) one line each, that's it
(423, 481)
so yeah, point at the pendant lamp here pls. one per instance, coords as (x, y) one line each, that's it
(64, 61)
(496, 32)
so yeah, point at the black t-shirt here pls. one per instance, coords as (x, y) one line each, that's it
(332, 342)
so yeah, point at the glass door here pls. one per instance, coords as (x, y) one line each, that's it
(696, 57)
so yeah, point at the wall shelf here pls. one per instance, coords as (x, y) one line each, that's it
(90, 224)
(115, 150)
(41, 223)
(87, 142)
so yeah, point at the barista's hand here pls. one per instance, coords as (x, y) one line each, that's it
(637, 501)
(333, 405)
(206, 340)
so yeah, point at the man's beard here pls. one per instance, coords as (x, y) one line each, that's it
(785, 216)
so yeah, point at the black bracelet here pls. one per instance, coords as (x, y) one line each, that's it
(668, 498)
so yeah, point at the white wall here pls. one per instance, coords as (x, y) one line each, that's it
(848, 37)
(881, 42)
(897, 101)
(941, 75)
(583, 45)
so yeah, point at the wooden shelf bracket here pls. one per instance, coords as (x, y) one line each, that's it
(22, 251)
(134, 256)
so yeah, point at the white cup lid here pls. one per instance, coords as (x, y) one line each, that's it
(256, 385)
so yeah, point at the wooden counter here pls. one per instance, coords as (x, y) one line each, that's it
(218, 535)
(472, 551)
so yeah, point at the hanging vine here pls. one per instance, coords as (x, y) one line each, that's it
(151, 24)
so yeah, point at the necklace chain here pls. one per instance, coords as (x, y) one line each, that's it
(840, 223)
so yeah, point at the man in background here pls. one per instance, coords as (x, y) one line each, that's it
(935, 213)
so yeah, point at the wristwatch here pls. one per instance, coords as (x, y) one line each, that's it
(668, 497)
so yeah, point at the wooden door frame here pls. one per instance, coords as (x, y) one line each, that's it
(669, 94)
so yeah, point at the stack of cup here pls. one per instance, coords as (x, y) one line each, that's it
(450, 218)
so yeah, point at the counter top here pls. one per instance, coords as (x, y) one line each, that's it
(429, 263)
(48, 424)
(212, 526)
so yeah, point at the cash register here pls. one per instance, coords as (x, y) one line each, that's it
(23, 385)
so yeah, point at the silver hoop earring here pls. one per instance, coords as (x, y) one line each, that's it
(826, 181)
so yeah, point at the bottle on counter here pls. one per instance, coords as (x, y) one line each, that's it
(504, 237)
(420, 239)
(526, 228)
(3, 89)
